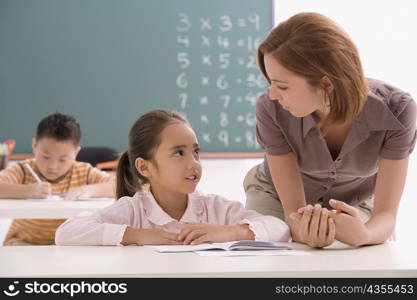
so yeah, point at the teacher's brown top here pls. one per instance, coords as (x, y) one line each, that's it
(386, 127)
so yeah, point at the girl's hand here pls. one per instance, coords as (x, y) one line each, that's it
(78, 193)
(314, 227)
(197, 233)
(152, 237)
(350, 228)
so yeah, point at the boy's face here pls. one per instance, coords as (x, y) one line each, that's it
(54, 158)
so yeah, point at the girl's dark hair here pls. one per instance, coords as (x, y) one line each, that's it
(144, 138)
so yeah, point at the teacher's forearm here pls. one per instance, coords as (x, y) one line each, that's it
(380, 227)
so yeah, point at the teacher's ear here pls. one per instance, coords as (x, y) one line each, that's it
(326, 84)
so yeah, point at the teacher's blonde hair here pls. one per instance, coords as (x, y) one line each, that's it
(314, 47)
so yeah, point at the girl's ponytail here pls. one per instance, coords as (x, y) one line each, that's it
(125, 185)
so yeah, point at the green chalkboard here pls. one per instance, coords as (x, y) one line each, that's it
(107, 61)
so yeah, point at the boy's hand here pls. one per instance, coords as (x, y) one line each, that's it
(39, 190)
(197, 233)
(314, 226)
(78, 192)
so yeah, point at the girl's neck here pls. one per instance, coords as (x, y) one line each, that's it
(173, 204)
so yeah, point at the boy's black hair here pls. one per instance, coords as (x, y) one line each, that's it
(59, 127)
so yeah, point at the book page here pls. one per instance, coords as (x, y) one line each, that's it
(252, 253)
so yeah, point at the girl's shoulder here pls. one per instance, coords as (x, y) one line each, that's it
(135, 200)
(210, 199)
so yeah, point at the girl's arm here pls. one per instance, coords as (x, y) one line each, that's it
(105, 227)
(137, 236)
(230, 220)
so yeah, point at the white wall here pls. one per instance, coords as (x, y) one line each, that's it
(385, 33)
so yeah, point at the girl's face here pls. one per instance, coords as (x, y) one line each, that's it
(292, 91)
(176, 166)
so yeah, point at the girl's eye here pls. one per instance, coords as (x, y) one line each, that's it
(197, 151)
(179, 153)
(46, 157)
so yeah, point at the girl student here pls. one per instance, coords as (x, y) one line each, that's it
(333, 139)
(163, 154)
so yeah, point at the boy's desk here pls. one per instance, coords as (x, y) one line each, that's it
(387, 260)
(49, 209)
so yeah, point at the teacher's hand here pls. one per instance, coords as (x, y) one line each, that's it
(349, 227)
(313, 226)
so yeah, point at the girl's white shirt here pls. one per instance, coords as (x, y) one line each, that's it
(107, 226)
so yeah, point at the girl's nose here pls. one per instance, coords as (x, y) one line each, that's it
(193, 163)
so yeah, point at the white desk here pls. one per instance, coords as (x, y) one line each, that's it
(48, 209)
(387, 260)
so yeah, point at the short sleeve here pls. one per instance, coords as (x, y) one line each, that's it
(12, 174)
(97, 176)
(268, 131)
(399, 144)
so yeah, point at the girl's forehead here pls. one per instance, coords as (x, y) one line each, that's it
(178, 134)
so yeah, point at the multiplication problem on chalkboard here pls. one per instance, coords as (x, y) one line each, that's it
(217, 80)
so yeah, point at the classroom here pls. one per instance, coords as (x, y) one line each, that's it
(106, 63)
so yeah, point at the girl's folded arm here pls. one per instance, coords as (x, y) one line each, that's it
(105, 227)
(265, 228)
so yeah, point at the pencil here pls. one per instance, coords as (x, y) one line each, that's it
(336, 211)
(33, 173)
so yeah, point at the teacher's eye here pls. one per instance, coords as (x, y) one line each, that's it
(284, 88)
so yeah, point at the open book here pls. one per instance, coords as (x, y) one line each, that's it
(228, 246)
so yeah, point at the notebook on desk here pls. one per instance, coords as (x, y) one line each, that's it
(228, 246)
(234, 248)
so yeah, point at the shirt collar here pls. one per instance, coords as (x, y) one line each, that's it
(375, 115)
(158, 216)
(308, 123)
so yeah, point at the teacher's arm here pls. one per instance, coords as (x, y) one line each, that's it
(388, 190)
(289, 185)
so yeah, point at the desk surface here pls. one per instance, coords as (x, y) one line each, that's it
(388, 260)
(48, 209)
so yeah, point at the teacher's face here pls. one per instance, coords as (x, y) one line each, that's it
(292, 91)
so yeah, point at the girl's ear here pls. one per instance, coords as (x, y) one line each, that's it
(143, 167)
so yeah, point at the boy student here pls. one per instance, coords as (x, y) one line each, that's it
(52, 171)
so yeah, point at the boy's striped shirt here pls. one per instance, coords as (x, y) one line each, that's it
(39, 231)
